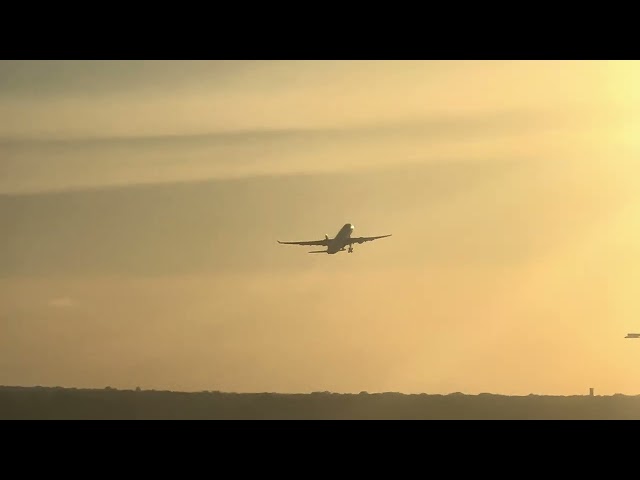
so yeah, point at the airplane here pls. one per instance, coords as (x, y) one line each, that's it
(338, 243)
(633, 335)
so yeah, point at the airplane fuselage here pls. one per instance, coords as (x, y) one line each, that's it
(341, 240)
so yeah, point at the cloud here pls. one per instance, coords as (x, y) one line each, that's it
(45, 164)
(62, 302)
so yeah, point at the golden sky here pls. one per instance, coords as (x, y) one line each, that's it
(140, 204)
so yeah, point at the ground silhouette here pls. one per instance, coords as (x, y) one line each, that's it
(70, 403)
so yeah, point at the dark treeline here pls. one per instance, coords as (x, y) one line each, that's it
(63, 403)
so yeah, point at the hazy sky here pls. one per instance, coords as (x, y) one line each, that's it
(141, 203)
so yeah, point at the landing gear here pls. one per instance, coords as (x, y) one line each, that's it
(350, 249)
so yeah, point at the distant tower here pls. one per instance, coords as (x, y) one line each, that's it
(591, 392)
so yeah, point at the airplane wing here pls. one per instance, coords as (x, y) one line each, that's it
(323, 242)
(365, 239)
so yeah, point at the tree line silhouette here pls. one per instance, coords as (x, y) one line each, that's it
(70, 403)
